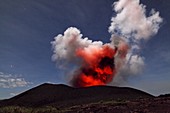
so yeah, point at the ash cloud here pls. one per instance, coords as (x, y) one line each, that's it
(129, 27)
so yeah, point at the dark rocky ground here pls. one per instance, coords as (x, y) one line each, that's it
(50, 98)
(154, 105)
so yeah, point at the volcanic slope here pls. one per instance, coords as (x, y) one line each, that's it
(62, 95)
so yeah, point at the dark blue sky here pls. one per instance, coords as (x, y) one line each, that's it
(28, 26)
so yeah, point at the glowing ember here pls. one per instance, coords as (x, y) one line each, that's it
(98, 66)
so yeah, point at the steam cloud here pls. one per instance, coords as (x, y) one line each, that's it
(99, 64)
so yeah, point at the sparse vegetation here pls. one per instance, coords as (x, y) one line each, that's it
(50, 109)
(17, 109)
(156, 105)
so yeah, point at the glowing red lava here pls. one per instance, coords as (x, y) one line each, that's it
(98, 66)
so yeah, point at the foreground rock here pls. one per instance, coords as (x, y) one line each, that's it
(155, 105)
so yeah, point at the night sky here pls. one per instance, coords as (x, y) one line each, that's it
(27, 28)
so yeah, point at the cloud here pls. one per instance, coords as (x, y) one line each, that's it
(12, 81)
(13, 94)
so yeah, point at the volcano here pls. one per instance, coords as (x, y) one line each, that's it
(62, 95)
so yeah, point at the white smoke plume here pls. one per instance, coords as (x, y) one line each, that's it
(132, 24)
(129, 27)
(131, 20)
(65, 45)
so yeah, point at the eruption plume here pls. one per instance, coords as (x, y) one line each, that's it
(97, 67)
(95, 63)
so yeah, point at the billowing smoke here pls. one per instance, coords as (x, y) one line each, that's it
(132, 24)
(95, 63)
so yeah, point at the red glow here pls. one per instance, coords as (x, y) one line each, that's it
(98, 66)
